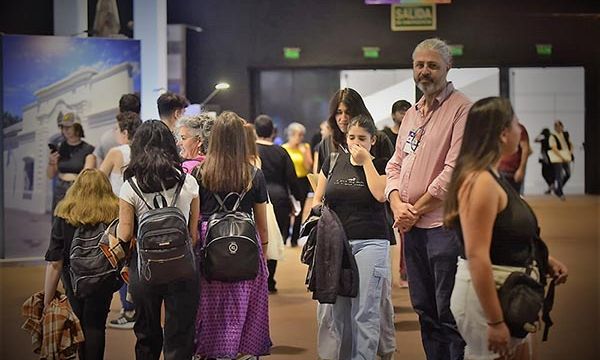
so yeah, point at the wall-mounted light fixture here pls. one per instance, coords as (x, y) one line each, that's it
(220, 86)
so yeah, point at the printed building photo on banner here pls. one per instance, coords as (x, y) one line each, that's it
(48, 81)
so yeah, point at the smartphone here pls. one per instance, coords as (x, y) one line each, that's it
(53, 147)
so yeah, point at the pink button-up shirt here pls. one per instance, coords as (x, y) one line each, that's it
(429, 167)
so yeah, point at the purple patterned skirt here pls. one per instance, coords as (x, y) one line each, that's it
(233, 318)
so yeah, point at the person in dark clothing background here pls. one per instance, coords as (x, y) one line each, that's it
(398, 110)
(547, 172)
(281, 180)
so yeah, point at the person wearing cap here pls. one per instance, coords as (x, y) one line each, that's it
(69, 157)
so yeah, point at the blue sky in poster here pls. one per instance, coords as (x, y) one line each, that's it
(33, 62)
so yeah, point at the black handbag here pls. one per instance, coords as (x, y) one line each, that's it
(522, 298)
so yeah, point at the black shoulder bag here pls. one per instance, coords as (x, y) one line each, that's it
(522, 299)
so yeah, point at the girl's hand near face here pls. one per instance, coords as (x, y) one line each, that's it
(360, 155)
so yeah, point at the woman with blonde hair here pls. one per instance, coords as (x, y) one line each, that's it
(301, 156)
(88, 202)
(233, 317)
(497, 229)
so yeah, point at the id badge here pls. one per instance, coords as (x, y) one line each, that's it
(408, 145)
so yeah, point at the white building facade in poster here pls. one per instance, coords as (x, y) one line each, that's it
(92, 95)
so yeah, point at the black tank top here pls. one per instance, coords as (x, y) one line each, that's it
(514, 230)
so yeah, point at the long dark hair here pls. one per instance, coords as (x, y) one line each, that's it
(227, 165)
(480, 147)
(354, 103)
(155, 161)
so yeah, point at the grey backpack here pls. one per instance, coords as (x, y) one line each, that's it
(164, 248)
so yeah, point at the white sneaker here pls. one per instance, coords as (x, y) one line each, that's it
(125, 321)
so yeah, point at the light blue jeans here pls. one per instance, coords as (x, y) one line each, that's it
(353, 328)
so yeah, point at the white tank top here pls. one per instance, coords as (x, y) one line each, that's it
(116, 176)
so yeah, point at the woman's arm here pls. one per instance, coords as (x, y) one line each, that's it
(315, 169)
(52, 168)
(376, 182)
(53, 272)
(558, 270)
(108, 163)
(478, 208)
(307, 158)
(260, 219)
(320, 190)
(90, 162)
(126, 219)
(194, 216)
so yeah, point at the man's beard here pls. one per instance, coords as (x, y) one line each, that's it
(429, 88)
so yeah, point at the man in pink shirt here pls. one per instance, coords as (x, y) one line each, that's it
(418, 174)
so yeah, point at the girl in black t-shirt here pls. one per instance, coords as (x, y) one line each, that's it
(354, 189)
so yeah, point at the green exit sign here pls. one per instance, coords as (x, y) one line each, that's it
(370, 52)
(456, 50)
(543, 49)
(292, 53)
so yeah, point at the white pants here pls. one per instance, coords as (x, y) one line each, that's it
(468, 313)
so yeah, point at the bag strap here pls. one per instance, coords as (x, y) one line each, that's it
(239, 195)
(159, 196)
(137, 191)
(548, 304)
(558, 144)
(333, 157)
(178, 189)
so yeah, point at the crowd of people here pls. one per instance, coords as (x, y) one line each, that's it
(442, 184)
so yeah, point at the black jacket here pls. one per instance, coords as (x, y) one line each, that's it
(334, 271)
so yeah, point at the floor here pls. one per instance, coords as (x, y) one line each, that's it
(571, 228)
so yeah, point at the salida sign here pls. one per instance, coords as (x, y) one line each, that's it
(413, 17)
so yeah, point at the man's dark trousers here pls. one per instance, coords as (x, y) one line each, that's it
(431, 258)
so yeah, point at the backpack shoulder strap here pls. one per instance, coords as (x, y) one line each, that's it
(333, 157)
(138, 192)
(558, 144)
(239, 201)
(178, 189)
(240, 195)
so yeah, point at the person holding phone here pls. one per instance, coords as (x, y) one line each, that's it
(68, 158)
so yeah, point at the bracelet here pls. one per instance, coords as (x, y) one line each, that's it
(265, 243)
(496, 322)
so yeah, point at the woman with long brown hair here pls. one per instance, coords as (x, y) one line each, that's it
(88, 202)
(233, 317)
(496, 228)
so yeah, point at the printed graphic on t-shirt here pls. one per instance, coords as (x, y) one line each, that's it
(352, 182)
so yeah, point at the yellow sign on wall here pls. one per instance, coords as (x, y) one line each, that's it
(413, 17)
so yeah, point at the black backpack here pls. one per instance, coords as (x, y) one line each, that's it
(231, 250)
(89, 269)
(164, 248)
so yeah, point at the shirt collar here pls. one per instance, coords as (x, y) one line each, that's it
(443, 95)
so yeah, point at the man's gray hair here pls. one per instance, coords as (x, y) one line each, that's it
(437, 45)
(295, 127)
